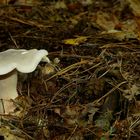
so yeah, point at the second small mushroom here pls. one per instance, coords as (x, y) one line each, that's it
(12, 61)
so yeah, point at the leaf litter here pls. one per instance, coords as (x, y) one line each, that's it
(91, 89)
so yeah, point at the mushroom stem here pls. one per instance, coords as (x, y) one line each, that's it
(8, 91)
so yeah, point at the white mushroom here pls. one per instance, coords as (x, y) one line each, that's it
(11, 61)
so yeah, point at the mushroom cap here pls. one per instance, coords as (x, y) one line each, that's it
(22, 60)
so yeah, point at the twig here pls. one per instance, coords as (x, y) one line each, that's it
(109, 92)
(61, 72)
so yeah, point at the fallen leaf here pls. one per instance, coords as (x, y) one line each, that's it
(60, 5)
(107, 21)
(8, 135)
(132, 92)
(135, 6)
(75, 41)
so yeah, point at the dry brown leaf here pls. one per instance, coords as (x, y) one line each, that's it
(106, 21)
(132, 92)
(135, 6)
(129, 30)
(8, 134)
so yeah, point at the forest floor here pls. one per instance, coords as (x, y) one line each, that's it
(91, 88)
